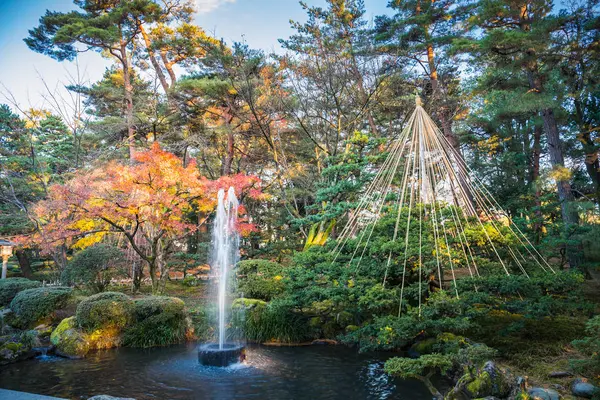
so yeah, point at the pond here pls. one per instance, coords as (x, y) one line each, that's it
(312, 372)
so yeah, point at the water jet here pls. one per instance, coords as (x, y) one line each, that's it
(225, 255)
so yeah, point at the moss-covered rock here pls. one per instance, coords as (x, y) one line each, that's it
(32, 307)
(17, 347)
(490, 380)
(105, 311)
(11, 286)
(157, 321)
(69, 341)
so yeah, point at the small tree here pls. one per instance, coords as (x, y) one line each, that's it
(422, 368)
(94, 267)
(590, 346)
(145, 203)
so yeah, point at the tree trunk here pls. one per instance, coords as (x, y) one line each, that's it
(154, 62)
(432, 389)
(136, 279)
(153, 276)
(535, 174)
(229, 156)
(565, 196)
(169, 68)
(555, 152)
(128, 93)
(446, 121)
(24, 263)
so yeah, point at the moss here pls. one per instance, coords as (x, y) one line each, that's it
(522, 396)
(480, 386)
(12, 346)
(67, 323)
(104, 311)
(248, 303)
(32, 307)
(424, 346)
(69, 341)
(489, 380)
(101, 339)
(11, 286)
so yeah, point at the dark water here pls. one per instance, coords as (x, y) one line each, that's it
(314, 372)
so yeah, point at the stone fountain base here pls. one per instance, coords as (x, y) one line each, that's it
(231, 353)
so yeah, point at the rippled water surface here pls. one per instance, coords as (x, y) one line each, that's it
(314, 372)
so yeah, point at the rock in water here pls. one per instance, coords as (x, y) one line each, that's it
(582, 388)
(537, 393)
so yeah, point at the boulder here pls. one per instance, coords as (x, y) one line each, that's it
(583, 388)
(107, 397)
(538, 393)
(16, 348)
(488, 381)
(69, 341)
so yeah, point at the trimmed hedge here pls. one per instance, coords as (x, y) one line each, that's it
(31, 307)
(260, 279)
(11, 286)
(158, 321)
(108, 310)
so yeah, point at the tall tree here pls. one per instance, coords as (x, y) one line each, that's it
(109, 26)
(515, 37)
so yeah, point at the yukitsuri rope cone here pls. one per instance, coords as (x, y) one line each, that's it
(427, 183)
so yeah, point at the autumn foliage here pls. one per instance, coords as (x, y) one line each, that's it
(147, 202)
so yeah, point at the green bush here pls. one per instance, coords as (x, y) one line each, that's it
(590, 347)
(34, 306)
(190, 281)
(264, 322)
(260, 279)
(94, 267)
(11, 286)
(158, 321)
(108, 310)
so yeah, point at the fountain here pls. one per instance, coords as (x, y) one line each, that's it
(225, 254)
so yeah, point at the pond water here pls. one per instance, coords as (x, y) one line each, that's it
(312, 372)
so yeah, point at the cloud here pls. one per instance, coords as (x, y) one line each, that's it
(206, 6)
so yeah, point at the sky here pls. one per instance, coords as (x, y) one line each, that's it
(257, 22)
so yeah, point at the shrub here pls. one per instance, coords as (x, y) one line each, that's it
(34, 306)
(260, 279)
(262, 322)
(108, 310)
(589, 346)
(11, 286)
(159, 321)
(94, 267)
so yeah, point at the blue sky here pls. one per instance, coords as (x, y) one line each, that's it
(258, 22)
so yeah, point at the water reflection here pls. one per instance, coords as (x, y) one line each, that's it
(174, 373)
